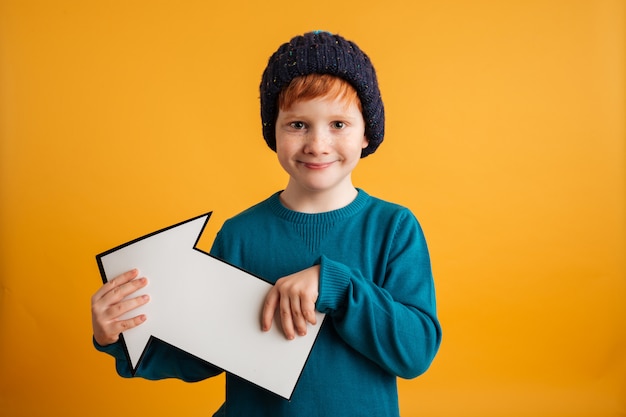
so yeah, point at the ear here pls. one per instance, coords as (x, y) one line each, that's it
(366, 142)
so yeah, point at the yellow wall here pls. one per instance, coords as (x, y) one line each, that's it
(505, 136)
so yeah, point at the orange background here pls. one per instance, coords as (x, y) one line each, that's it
(505, 135)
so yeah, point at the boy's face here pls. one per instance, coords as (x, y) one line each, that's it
(319, 142)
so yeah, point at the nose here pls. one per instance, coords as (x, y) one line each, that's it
(317, 142)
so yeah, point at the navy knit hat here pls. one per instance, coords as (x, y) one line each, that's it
(323, 53)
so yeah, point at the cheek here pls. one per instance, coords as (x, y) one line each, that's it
(283, 153)
(284, 146)
(357, 145)
(284, 163)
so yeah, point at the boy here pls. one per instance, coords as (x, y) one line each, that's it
(326, 245)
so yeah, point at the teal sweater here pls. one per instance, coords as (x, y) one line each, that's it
(376, 288)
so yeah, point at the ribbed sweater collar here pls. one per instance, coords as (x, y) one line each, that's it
(350, 210)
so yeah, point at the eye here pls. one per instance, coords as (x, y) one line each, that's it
(297, 125)
(338, 125)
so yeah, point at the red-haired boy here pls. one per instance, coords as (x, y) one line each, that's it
(326, 245)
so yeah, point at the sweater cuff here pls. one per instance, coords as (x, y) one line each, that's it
(333, 285)
(114, 349)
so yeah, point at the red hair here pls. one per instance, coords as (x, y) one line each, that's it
(307, 87)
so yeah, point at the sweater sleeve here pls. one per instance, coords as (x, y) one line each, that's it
(390, 317)
(159, 361)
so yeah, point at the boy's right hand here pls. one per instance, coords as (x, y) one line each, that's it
(108, 305)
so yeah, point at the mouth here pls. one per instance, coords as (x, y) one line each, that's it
(316, 165)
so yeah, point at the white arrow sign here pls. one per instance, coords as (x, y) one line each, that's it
(206, 307)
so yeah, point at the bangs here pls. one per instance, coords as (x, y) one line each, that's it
(312, 86)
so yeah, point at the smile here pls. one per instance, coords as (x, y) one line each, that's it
(316, 165)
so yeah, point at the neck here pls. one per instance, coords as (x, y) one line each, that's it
(306, 201)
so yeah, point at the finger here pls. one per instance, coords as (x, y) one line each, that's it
(120, 292)
(101, 304)
(112, 333)
(104, 319)
(286, 319)
(115, 311)
(115, 282)
(123, 325)
(269, 309)
(106, 324)
(308, 311)
(299, 321)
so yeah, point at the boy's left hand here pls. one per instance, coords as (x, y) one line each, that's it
(295, 296)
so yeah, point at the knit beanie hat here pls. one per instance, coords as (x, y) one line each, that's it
(323, 53)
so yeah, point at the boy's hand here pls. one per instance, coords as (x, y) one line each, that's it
(295, 296)
(108, 304)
